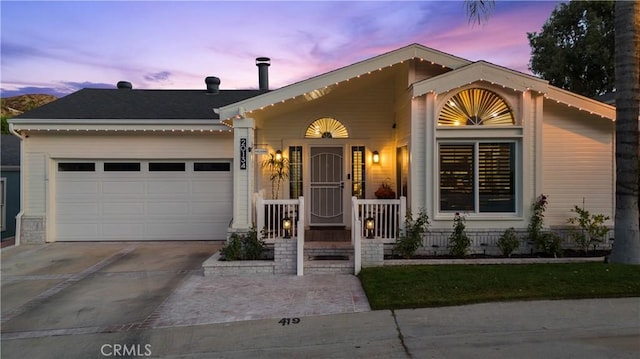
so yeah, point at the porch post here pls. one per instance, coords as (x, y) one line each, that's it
(242, 173)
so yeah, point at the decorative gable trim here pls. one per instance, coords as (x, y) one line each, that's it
(309, 88)
(479, 71)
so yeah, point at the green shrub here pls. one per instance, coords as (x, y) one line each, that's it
(592, 228)
(536, 223)
(508, 242)
(551, 244)
(414, 230)
(459, 242)
(243, 246)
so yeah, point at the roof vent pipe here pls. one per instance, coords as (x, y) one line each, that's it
(124, 85)
(213, 84)
(263, 64)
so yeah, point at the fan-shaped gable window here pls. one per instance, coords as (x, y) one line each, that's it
(476, 107)
(326, 128)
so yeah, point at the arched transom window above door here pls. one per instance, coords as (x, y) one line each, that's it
(476, 107)
(326, 127)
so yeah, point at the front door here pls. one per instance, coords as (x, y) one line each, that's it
(327, 186)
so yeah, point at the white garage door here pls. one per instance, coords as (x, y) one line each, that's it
(142, 200)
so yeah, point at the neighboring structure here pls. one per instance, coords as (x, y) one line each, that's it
(449, 134)
(9, 185)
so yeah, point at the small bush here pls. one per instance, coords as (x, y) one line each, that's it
(592, 228)
(459, 242)
(243, 247)
(508, 242)
(414, 230)
(551, 244)
(536, 223)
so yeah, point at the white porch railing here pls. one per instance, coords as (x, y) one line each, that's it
(388, 216)
(270, 215)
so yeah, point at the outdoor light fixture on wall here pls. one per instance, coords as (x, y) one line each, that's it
(370, 226)
(376, 157)
(278, 155)
(286, 225)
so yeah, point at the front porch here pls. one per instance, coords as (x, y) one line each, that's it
(300, 249)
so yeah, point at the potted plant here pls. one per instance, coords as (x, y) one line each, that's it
(385, 192)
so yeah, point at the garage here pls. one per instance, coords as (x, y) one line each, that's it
(120, 200)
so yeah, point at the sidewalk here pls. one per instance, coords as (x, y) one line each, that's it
(594, 328)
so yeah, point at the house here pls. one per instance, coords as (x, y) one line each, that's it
(9, 185)
(448, 134)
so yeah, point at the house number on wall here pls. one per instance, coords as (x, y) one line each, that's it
(243, 153)
(287, 321)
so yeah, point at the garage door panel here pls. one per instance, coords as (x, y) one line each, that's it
(122, 229)
(76, 188)
(127, 208)
(110, 187)
(173, 208)
(143, 205)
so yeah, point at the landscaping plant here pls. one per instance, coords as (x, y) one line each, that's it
(414, 230)
(459, 242)
(508, 242)
(243, 246)
(546, 242)
(592, 228)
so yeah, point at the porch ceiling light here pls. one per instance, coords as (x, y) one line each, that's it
(376, 157)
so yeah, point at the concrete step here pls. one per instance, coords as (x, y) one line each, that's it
(328, 267)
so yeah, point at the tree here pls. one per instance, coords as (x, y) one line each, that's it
(479, 10)
(626, 247)
(575, 48)
(627, 70)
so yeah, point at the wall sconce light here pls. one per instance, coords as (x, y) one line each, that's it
(278, 155)
(376, 157)
(286, 225)
(370, 226)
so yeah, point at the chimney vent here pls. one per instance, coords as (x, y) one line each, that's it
(263, 64)
(213, 84)
(124, 85)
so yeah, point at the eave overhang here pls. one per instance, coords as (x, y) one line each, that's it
(115, 125)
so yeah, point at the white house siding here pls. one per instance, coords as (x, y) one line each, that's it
(368, 116)
(43, 149)
(577, 162)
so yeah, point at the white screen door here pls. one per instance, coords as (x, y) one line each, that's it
(327, 184)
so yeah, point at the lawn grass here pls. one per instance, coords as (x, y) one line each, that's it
(396, 287)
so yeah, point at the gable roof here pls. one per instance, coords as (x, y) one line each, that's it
(113, 104)
(307, 87)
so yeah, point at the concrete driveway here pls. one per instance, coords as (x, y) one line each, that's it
(92, 286)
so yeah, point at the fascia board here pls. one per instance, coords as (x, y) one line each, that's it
(580, 102)
(479, 71)
(117, 124)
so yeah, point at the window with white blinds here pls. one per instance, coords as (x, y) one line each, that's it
(477, 177)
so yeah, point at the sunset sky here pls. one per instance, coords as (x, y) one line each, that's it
(57, 48)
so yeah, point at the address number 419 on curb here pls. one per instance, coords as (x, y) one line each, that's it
(287, 321)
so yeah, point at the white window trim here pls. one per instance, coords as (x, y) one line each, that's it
(476, 215)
